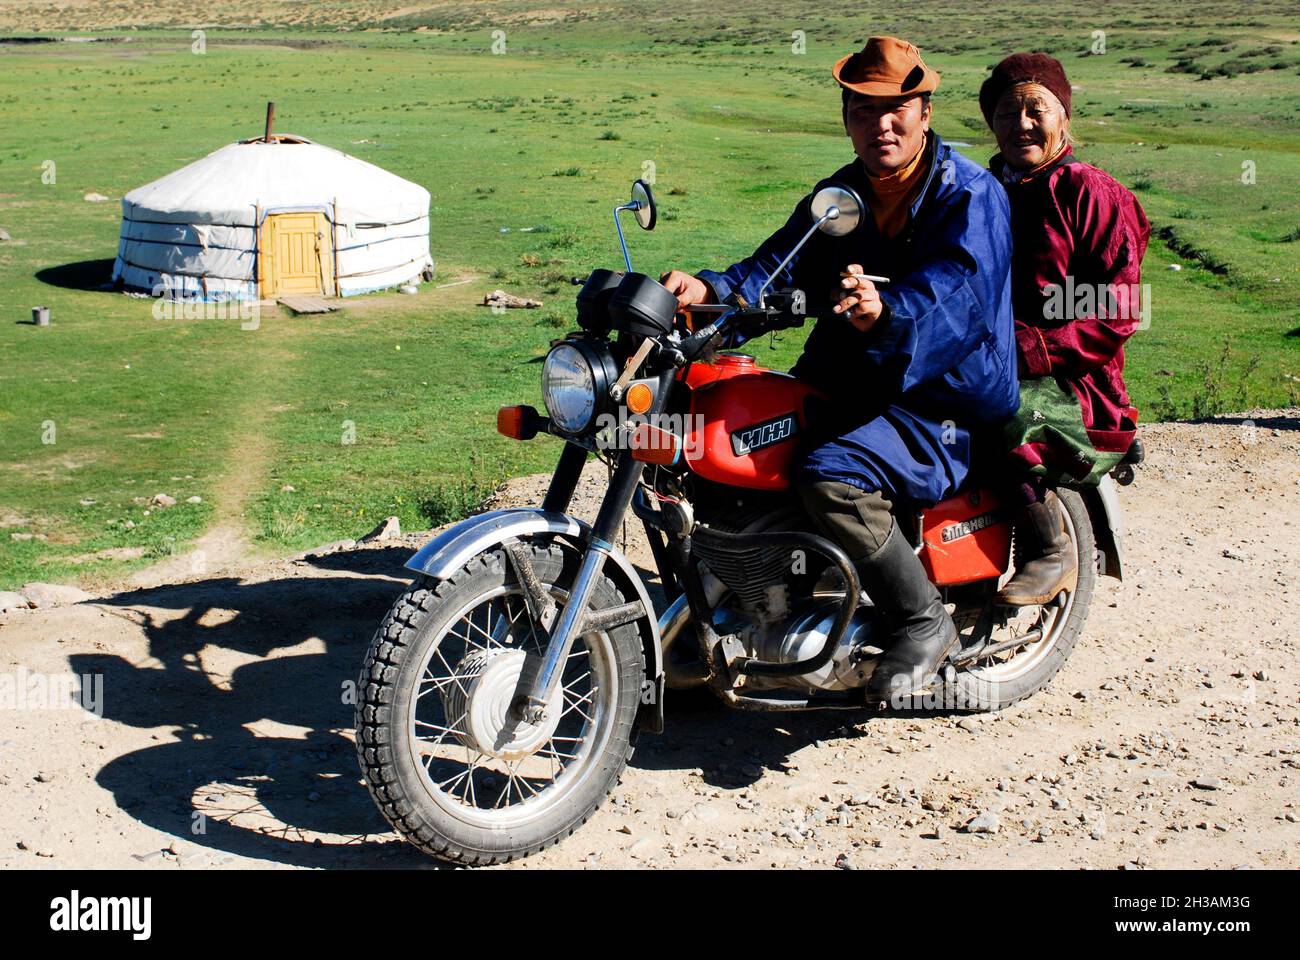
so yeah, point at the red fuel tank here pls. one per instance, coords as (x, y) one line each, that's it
(965, 538)
(745, 423)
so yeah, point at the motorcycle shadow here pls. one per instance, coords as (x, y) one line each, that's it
(255, 682)
(248, 685)
(734, 749)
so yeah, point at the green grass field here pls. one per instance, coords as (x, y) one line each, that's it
(525, 153)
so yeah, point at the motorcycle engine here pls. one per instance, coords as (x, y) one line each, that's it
(802, 636)
(782, 607)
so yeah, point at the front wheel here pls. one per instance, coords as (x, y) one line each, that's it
(450, 766)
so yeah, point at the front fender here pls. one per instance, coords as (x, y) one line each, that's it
(450, 550)
(457, 545)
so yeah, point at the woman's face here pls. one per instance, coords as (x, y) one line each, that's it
(1029, 124)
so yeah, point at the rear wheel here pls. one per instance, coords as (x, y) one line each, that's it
(1028, 649)
(445, 759)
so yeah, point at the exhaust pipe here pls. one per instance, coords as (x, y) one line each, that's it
(678, 676)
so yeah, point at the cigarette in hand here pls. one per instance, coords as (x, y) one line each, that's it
(865, 276)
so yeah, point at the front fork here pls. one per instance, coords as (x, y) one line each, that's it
(531, 705)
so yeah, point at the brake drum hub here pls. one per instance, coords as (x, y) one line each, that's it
(478, 706)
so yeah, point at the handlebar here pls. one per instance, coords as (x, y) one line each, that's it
(783, 310)
(780, 310)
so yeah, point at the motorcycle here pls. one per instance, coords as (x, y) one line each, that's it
(500, 698)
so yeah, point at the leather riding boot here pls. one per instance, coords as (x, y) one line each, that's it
(920, 631)
(1046, 562)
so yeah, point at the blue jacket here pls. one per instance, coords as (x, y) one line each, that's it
(944, 354)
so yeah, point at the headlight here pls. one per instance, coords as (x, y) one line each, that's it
(569, 388)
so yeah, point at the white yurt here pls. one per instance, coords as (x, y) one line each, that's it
(278, 215)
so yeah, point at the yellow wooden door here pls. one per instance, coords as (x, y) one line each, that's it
(295, 254)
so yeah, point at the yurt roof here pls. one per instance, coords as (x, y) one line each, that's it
(232, 184)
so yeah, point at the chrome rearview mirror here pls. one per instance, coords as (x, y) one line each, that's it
(643, 202)
(642, 205)
(837, 209)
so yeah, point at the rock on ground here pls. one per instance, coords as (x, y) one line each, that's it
(53, 594)
(389, 529)
(13, 601)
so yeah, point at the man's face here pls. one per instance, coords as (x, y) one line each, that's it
(887, 132)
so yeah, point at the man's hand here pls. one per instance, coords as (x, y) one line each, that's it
(686, 288)
(859, 300)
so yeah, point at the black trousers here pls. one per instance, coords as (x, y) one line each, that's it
(858, 520)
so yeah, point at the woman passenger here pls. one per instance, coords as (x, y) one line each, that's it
(1078, 237)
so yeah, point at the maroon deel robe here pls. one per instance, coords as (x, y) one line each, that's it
(1076, 227)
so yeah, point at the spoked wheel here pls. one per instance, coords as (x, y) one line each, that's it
(1029, 644)
(447, 758)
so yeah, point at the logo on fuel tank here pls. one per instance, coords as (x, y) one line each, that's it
(760, 435)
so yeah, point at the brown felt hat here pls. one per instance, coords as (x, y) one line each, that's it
(885, 67)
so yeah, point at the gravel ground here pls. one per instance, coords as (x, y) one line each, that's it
(1170, 739)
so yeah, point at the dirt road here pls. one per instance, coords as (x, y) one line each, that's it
(1170, 739)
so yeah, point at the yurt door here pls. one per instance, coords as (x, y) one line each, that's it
(295, 255)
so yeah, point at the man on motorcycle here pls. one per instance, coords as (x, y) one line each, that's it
(912, 366)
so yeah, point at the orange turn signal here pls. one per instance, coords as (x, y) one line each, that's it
(514, 422)
(650, 444)
(639, 398)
